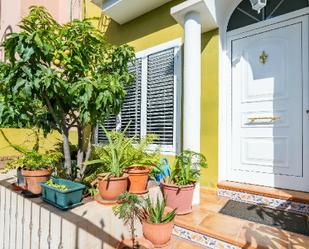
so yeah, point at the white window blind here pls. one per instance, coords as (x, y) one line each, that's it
(131, 109)
(160, 96)
(152, 103)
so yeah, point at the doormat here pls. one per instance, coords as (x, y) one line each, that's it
(293, 222)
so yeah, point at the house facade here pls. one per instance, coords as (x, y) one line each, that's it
(228, 78)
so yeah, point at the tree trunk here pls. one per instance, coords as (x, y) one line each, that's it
(80, 148)
(89, 144)
(67, 152)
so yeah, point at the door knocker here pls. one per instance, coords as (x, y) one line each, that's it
(263, 58)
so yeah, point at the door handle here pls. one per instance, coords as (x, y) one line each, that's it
(272, 118)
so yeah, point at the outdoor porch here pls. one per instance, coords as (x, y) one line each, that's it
(31, 223)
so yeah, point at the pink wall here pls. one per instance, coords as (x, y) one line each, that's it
(13, 10)
(10, 16)
(60, 9)
(51, 5)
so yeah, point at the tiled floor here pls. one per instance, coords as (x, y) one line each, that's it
(205, 219)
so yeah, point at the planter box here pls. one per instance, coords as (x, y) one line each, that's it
(63, 199)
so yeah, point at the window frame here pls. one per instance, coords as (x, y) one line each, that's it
(143, 55)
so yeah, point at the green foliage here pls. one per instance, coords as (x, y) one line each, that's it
(60, 187)
(121, 152)
(155, 213)
(33, 160)
(129, 211)
(61, 76)
(186, 169)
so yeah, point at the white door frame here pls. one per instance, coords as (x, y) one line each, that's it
(225, 91)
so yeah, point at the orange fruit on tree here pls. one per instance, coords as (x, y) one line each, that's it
(56, 62)
(67, 52)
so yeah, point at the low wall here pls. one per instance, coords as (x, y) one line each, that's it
(33, 224)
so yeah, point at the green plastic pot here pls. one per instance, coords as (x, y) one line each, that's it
(63, 199)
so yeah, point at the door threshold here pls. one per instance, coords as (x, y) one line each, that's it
(282, 199)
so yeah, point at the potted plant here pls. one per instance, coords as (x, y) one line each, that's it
(129, 211)
(35, 167)
(108, 170)
(62, 193)
(157, 221)
(140, 161)
(122, 163)
(179, 186)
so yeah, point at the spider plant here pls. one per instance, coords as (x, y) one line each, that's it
(120, 153)
(112, 157)
(186, 169)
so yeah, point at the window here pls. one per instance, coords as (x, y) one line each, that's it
(152, 103)
(244, 15)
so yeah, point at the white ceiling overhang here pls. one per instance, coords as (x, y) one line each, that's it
(123, 11)
(212, 12)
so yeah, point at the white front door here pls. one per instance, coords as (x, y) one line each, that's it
(269, 101)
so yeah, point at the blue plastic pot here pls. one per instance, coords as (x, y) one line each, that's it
(63, 199)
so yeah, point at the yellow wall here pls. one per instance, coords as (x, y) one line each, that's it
(26, 138)
(209, 107)
(157, 27)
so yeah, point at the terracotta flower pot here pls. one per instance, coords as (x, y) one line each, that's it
(158, 234)
(33, 178)
(138, 179)
(179, 197)
(112, 187)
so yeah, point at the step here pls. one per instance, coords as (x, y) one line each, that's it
(179, 243)
(282, 199)
(206, 227)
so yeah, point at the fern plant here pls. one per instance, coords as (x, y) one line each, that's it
(186, 169)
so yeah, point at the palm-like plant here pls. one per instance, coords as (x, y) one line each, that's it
(186, 169)
(129, 211)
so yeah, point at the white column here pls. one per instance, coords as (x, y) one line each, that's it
(192, 87)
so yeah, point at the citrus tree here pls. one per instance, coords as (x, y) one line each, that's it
(60, 77)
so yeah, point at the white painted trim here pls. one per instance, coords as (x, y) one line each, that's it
(204, 10)
(176, 44)
(170, 44)
(225, 115)
(177, 98)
